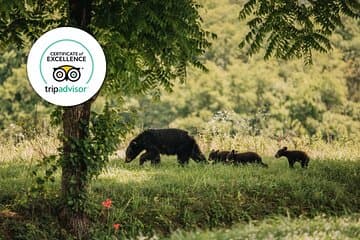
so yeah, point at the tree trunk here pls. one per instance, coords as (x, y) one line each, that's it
(76, 127)
(74, 171)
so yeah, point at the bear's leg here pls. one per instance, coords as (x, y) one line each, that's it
(237, 161)
(183, 159)
(223, 158)
(150, 155)
(244, 161)
(304, 163)
(155, 160)
(184, 152)
(143, 158)
(198, 157)
(230, 160)
(291, 163)
(260, 162)
(254, 160)
(264, 165)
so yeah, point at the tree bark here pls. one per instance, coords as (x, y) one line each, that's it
(75, 129)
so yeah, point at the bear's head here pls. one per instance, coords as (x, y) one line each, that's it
(133, 150)
(281, 152)
(231, 155)
(213, 154)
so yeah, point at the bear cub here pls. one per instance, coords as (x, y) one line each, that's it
(219, 156)
(294, 156)
(245, 157)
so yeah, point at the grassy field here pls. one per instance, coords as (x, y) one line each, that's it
(199, 201)
(320, 227)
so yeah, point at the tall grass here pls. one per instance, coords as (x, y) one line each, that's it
(267, 146)
(28, 149)
(226, 130)
(46, 144)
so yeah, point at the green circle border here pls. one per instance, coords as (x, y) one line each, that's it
(69, 40)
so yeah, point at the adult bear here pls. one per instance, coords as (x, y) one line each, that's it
(170, 141)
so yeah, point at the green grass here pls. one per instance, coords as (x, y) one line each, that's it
(320, 227)
(160, 200)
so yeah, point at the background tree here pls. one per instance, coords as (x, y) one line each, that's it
(253, 96)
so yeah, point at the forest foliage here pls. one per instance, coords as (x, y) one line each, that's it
(238, 95)
(251, 96)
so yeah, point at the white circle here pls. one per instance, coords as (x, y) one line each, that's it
(66, 66)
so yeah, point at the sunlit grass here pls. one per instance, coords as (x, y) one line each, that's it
(28, 150)
(319, 228)
(119, 175)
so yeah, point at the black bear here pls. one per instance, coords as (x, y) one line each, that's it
(294, 156)
(219, 156)
(245, 157)
(213, 155)
(170, 141)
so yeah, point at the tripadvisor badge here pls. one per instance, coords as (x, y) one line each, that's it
(66, 66)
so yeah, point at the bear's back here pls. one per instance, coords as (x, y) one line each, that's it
(168, 140)
(298, 155)
(168, 134)
(246, 157)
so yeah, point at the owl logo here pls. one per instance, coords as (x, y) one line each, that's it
(66, 72)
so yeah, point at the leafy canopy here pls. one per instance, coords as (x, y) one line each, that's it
(289, 29)
(147, 43)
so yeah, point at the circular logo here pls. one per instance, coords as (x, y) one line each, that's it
(66, 66)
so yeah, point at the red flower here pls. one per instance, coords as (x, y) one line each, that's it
(116, 226)
(107, 203)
